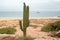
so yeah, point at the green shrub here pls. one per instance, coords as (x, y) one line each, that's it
(7, 30)
(25, 38)
(51, 27)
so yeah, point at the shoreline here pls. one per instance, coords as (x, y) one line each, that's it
(30, 18)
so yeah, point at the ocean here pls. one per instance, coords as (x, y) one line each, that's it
(31, 14)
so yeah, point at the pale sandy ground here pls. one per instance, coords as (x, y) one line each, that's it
(31, 30)
(35, 33)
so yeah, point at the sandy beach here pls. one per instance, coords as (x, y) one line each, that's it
(34, 28)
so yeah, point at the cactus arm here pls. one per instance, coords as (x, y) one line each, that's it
(21, 27)
(27, 24)
(28, 12)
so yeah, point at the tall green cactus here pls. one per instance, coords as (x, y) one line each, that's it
(25, 23)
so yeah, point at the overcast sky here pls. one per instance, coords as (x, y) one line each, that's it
(35, 5)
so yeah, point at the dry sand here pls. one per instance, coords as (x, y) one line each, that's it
(34, 30)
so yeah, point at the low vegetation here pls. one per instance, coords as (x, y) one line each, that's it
(8, 30)
(25, 38)
(51, 27)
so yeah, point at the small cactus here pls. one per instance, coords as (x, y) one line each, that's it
(25, 23)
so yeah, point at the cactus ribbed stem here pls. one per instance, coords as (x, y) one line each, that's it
(25, 24)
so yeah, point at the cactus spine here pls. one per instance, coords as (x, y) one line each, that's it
(25, 23)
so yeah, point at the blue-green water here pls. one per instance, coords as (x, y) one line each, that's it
(32, 14)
